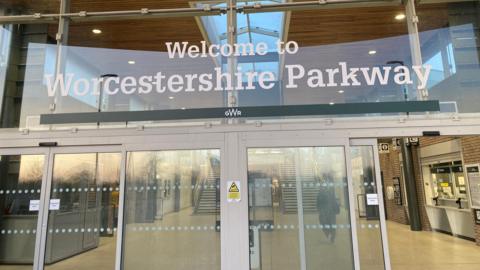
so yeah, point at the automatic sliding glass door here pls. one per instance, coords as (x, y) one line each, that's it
(299, 209)
(314, 202)
(172, 210)
(22, 173)
(83, 210)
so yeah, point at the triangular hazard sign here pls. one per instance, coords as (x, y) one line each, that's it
(233, 188)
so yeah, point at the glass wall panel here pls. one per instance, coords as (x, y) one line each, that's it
(25, 57)
(140, 53)
(172, 210)
(20, 187)
(345, 54)
(299, 209)
(82, 220)
(28, 7)
(450, 43)
(367, 208)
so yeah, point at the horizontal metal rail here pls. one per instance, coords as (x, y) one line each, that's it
(319, 4)
(206, 10)
(242, 112)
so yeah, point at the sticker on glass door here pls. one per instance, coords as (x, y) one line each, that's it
(233, 191)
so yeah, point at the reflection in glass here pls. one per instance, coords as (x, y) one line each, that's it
(299, 209)
(366, 208)
(449, 41)
(24, 60)
(83, 213)
(20, 185)
(172, 207)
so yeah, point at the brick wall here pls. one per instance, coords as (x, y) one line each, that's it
(471, 154)
(390, 167)
(421, 200)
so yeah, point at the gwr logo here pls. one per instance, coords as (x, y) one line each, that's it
(233, 112)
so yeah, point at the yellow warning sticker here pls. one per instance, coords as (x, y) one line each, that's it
(233, 191)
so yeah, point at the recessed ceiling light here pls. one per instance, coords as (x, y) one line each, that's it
(332, 103)
(131, 62)
(171, 97)
(372, 52)
(400, 16)
(183, 108)
(96, 31)
(341, 91)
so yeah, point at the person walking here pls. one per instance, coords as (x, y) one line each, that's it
(328, 207)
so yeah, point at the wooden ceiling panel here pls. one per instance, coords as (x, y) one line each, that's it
(149, 35)
(104, 5)
(330, 26)
(432, 16)
(308, 28)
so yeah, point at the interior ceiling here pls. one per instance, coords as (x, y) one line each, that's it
(308, 28)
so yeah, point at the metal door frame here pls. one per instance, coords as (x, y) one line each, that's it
(378, 181)
(173, 142)
(45, 151)
(233, 148)
(46, 192)
(296, 138)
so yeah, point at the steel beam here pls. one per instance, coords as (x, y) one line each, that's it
(206, 10)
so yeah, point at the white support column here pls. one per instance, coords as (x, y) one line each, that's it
(44, 211)
(121, 211)
(61, 37)
(232, 96)
(301, 226)
(381, 207)
(44, 201)
(235, 252)
(412, 24)
(351, 206)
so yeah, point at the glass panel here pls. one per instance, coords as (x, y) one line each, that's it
(338, 54)
(172, 207)
(82, 221)
(367, 208)
(24, 59)
(450, 43)
(20, 187)
(125, 52)
(299, 209)
(24, 7)
(445, 183)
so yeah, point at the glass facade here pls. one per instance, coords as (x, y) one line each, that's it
(299, 205)
(21, 181)
(118, 195)
(348, 54)
(449, 42)
(172, 208)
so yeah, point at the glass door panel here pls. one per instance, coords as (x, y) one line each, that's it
(83, 211)
(172, 210)
(367, 210)
(299, 209)
(20, 187)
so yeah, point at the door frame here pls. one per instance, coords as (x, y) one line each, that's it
(381, 206)
(298, 138)
(46, 190)
(233, 146)
(178, 142)
(45, 151)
